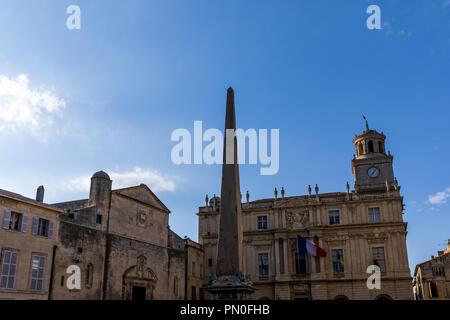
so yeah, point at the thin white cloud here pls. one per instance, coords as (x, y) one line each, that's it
(153, 179)
(446, 4)
(22, 107)
(439, 198)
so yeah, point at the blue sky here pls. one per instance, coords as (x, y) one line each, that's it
(108, 97)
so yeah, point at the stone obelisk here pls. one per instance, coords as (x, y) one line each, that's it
(229, 252)
(230, 273)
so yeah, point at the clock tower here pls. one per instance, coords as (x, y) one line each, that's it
(371, 166)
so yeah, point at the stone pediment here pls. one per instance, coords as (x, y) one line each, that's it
(143, 194)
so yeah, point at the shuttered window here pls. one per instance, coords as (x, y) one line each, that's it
(9, 267)
(42, 227)
(6, 219)
(37, 272)
(15, 221)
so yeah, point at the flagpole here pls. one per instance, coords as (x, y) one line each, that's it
(310, 269)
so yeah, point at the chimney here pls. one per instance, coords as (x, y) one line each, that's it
(40, 194)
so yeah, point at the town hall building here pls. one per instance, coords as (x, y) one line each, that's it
(357, 228)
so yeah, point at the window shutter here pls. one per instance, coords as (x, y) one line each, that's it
(50, 229)
(24, 223)
(34, 227)
(6, 219)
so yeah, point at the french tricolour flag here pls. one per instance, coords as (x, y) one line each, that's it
(309, 247)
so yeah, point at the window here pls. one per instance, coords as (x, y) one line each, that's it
(300, 263)
(193, 293)
(37, 272)
(361, 148)
(370, 146)
(89, 275)
(438, 271)
(15, 221)
(374, 215)
(338, 261)
(433, 290)
(317, 259)
(201, 271)
(193, 269)
(380, 147)
(379, 258)
(42, 227)
(210, 262)
(263, 261)
(99, 219)
(262, 222)
(9, 266)
(334, 217)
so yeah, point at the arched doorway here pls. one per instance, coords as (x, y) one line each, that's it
(340, 298)
(138, 281)
(383, 297)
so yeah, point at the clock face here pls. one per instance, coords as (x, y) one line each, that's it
(373, 172)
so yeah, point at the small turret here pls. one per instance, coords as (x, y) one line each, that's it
(100, 193)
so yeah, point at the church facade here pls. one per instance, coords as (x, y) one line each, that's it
(117, 243)
(121, 242)
(357, 228)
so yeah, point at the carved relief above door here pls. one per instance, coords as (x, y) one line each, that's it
(139, 281)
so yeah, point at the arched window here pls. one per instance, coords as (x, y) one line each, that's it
(89, 275)
(380, 147)
(361, 148)
(371, 146)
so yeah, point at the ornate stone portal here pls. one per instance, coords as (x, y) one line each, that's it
(139, 281)
(230, 281)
